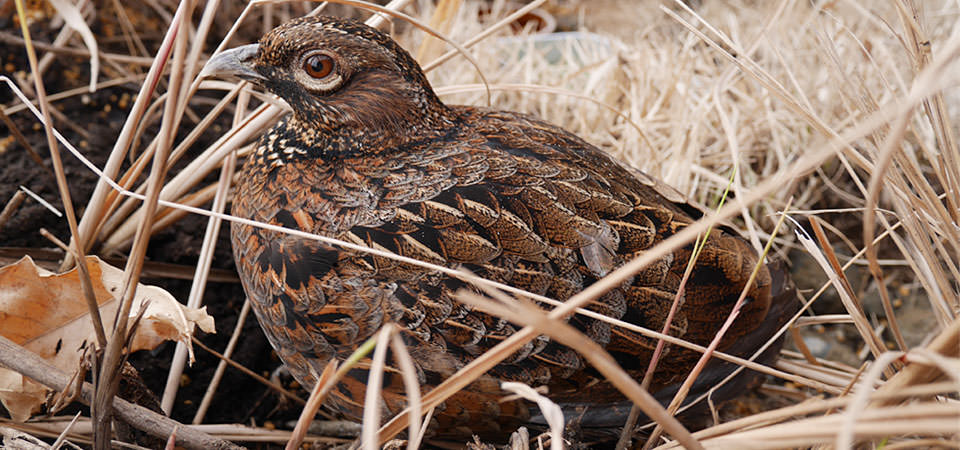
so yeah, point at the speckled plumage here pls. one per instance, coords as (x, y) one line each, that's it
(370, 155)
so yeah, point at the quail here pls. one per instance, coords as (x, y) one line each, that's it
(370, 155)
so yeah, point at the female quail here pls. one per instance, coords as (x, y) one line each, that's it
(371, 155)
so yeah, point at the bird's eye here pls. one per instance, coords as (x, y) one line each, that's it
(318, 66)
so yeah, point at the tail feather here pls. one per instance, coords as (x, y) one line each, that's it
(606, 420)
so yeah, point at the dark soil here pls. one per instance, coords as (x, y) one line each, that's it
(92, 123)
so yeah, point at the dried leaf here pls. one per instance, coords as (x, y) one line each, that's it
(20, 395)
(46, 313)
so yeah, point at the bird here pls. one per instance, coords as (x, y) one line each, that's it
(370, 155)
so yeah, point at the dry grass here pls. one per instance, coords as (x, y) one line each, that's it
(847, 109)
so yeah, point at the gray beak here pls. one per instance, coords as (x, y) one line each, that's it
(234, 63)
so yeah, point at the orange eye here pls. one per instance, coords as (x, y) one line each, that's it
(318, 66)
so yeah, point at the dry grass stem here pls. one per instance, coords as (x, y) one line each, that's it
(61, 439)
(113, 355)
(415, 431)
(11, 207)
(93, 214)
(222, 365)
(371, 403)
(734, 313)
(487, 32)
(525, 313)
(317, 395)
(15, 132)
(270, 384)
(203, 265)
(935, 419)
(847, 108)
(830, 264)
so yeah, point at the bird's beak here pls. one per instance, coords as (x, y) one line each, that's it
(233, 63)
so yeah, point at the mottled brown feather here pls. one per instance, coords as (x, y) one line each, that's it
(378, 160)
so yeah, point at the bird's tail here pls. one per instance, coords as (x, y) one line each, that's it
(608, 419)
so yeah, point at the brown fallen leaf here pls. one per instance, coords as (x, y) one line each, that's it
(46, 313)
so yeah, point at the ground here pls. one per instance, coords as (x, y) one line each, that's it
(93, 122)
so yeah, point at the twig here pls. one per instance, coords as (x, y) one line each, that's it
(76, 91)
(485, 34)
(11, 207)
(627, 432)
(409, 374)
(248, 372)
(919, 419)
(855, 409)
(63, 436)
(222, 365)
(15, 131)
(877, 181)
(50, 237)
(22, 361)
(815, 406)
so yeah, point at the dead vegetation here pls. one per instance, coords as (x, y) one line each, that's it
(839, 116)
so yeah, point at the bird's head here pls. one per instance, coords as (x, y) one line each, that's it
(337, 73)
